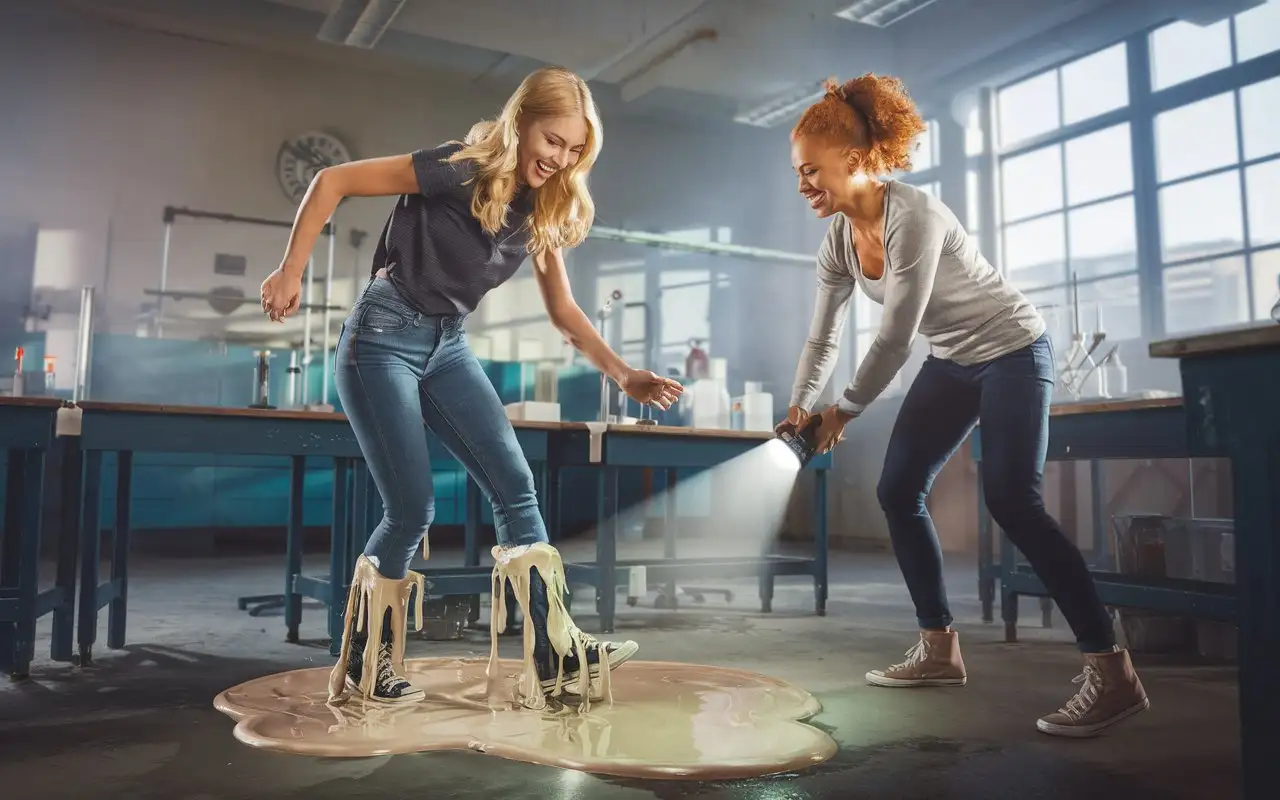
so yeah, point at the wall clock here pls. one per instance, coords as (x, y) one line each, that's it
(302, 156)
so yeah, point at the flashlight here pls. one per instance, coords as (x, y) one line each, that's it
(803, 440)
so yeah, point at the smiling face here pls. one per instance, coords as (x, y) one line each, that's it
(548, 145)
(827, 173)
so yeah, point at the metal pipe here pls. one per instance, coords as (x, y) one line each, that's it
(164, 278)
(602, 315)
(293, 371)
(178, 294)
(84, 346)
(328, 300)
(172, 212)
(306, 331)
(672, 243)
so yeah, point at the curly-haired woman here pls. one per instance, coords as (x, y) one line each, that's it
(991, 361)
(468, 215)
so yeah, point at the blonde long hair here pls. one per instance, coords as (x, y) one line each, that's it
(562, 207)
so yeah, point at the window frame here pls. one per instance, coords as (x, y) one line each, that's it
(1145, 104)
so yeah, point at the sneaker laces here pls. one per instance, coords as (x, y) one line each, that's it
(915, 656)
(387, 677)
(1083, 701)
(588, 641)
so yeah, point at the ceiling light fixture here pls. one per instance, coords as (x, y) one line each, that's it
(882, 13)
(782, 108)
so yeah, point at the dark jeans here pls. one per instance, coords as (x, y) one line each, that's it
(1010, 396)
(396, 369)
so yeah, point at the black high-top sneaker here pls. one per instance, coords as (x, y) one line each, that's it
(388, 687)
(546, 659)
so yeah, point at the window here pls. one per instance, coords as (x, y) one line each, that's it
(1067, 209)
(1114, 305)
(1181, 51)
(1258, 104)
(1074, 92)
(973, 196)
(1068, 201)
(1201, 217)
(1258, 31)
(1219, 198)
(1035, 252)
(926, 155)
(1084, 225)
(1028, 109)
(1205, 294)
(1095, 84)
(1196, 138)
(974, 139)
(1099, 165)
(1102, 238)
(686, 311)
(1031, 184)
(1262, 187)
(1266, 282)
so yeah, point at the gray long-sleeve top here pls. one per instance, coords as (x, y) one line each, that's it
(935, 283)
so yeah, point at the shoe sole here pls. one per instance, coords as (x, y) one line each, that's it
(1089, 731)
(410, 697)
(901, 683)
(619, 657)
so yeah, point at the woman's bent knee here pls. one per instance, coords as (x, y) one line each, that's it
(898, 495)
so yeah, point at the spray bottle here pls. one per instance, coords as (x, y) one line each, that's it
(803, 440)
(697, 364)
(18, 387)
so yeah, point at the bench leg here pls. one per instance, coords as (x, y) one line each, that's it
(1008, 599)
(118, 612)
(820, 546)
(293, 548)
(70, 466)
(607, 548)
(90, 557)
(24, 629)
(339, 574)
(11, 552)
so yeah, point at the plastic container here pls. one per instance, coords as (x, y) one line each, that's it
(1155, 547)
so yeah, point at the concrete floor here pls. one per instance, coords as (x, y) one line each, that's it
(139, 722)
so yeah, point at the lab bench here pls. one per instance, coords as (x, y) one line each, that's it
(1097, 431)
(126, 429)
(33, 507)
(1231, 380)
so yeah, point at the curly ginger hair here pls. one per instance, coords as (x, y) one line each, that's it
(872, 114)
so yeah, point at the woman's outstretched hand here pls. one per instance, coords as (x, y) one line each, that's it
(281, 292)
(650, 388)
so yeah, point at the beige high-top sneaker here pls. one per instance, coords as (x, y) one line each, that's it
(934, 661)
(1111, 692)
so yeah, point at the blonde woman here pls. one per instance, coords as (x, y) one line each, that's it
(468, 215)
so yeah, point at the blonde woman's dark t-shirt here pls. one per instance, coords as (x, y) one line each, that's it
(436, 254)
